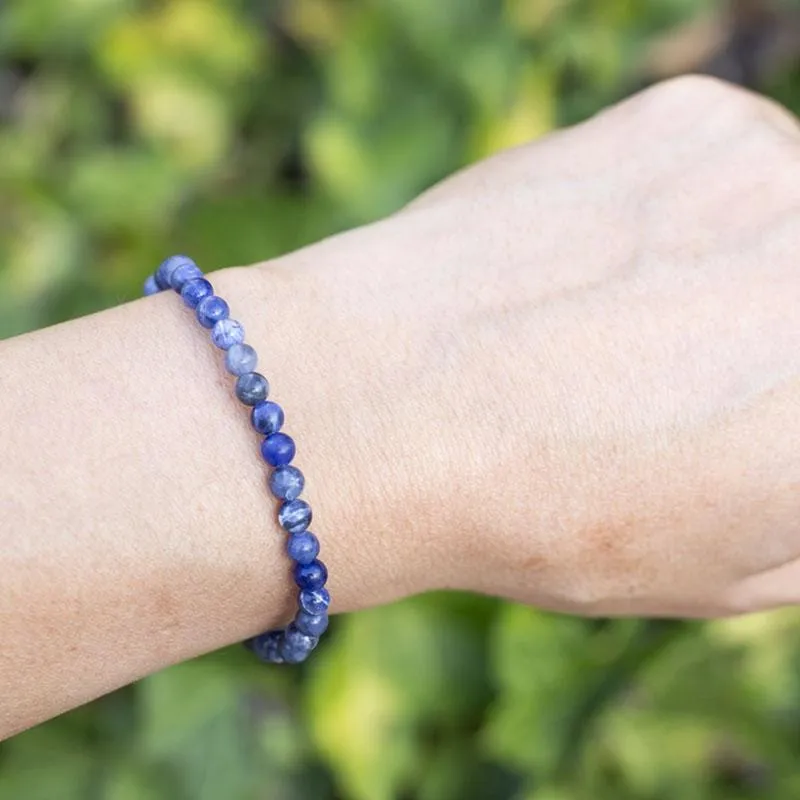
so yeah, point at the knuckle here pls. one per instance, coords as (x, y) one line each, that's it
(695, 87)
(704, 96)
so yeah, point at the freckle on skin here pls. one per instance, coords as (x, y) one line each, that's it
(534, 563)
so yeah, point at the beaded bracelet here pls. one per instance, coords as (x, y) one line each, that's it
(300, 637)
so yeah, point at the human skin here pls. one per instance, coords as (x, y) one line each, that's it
(569, 375)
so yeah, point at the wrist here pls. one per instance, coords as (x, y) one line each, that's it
(328, 372)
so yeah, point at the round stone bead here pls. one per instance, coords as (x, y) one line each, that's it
(211, 310)
(267, 417)
(226, 333)
(184, 273)
(291, 654)
(296, 645)
(286, 483)
(277, 450)
(311, 576)
(312, 624)
(160, 282)
(240, 358)
(151, 287)
(314, 601)
(195, 291)
(267, 646)
(168, 266)
(295, 516)
(302, 547)
(251, 388)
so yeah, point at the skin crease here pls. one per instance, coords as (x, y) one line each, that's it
(568, 375)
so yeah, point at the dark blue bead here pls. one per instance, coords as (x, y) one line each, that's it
(312, 624)
(314, 601)
(251, 388)
(240, 358)
(195, 291)
(277, 450)
(293, 653)
(168, 266)
(311, 576)
(267, 417)
(226, 333)
(295, 516)
(302, 547)
(287, 483)
(211, 310)
(293, 644)
(267, 646)
(296, 645)
(184, 273)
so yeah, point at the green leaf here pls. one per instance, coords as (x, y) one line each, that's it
(391, 672)
(43, 764)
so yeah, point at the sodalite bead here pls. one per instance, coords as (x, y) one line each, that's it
(211, 310)
(184, 273)
(302, 547)
(311, 576)
(296, 645)
(194, 291)
(287, 483)
(278, 450)
(226, 333)
(295, 516)
(251, 388)
(267, 417)
(240, 358)
(312, 624)
(168, 266)
(267, 646)
(314, 601)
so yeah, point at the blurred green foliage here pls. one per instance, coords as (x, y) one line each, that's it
(237, 131)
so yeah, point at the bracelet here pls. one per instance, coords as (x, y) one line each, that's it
(294, 643)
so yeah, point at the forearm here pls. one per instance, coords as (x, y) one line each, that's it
(135, 525)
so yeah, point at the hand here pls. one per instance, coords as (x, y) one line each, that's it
(570, 375)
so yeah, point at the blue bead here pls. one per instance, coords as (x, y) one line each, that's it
(211, 310)
(296, 645)
(267, 646)
(195, 291)
(184, 273)
(240, 358)
(226, 333)
(302, 547)
(251, 388)
(312, 624)
(295, 516)
(293, 644)
(293, 655)
(277, 450)
(267, 417)
(287, 483)
(168, 266)
(311, 576)
(314, 601)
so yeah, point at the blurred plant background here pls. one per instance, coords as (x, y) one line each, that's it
(239, 130)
